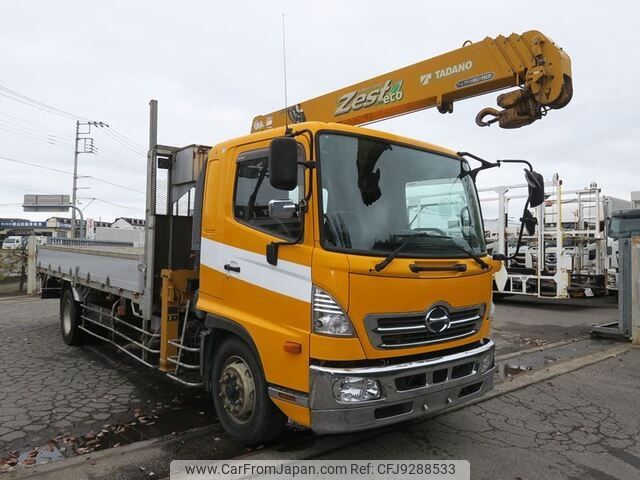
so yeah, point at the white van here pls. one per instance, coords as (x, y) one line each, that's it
(12, 243)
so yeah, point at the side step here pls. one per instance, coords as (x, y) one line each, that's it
(185, 378)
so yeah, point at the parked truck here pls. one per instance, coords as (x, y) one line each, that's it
(285, 271)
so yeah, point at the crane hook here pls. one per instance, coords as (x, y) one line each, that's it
(485, 112)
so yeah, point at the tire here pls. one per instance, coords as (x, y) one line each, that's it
(235, 374)
(70, 318)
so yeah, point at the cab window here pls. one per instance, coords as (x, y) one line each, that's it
(256, 202)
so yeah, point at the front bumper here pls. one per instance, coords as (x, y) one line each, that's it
(409, 390)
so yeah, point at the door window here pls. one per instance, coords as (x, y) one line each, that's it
(254, 195)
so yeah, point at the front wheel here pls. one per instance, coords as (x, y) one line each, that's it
(240, 395)
(70, 318)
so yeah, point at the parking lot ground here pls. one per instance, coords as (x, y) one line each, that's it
(49, 390)
(581, 425)
(522, 322)
(52, 391)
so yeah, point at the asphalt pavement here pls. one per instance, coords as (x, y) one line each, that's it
(91, 398)
(580, 425)
(50, 390)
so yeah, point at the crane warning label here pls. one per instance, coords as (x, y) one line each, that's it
(473, 80)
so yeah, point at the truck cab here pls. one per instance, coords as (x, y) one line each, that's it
(361, 284)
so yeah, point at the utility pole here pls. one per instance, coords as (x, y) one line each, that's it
(82, 144)
(75, 180)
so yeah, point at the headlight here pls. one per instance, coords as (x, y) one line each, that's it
(356, 389)
(486, 362)
(328, 317)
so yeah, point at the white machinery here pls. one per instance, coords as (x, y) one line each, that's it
(566, 252)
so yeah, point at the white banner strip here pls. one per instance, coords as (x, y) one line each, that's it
(286, 278)
(320, 470)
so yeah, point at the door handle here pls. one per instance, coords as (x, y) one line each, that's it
(231, 268)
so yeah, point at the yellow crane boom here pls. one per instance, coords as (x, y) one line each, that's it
(530, 61)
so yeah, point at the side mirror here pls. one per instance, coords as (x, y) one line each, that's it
(283, 163)
(282, 209)
(535, 183)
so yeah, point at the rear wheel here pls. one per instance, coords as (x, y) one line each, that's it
(240, 395)
(70, 318)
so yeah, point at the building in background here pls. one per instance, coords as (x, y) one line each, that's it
(128, 223)
(60, 226)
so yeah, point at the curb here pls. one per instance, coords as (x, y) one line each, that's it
(71, 467)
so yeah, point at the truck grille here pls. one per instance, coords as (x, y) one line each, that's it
(410, 330)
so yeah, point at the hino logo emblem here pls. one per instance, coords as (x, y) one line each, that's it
(437, 319)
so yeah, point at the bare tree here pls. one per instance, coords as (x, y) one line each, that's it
(13, 264)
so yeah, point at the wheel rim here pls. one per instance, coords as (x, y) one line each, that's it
(66, 318)
(237, 390)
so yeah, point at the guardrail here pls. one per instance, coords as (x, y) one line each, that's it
(79, 242)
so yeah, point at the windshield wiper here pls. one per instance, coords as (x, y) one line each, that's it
(484, 265)
(408, 237)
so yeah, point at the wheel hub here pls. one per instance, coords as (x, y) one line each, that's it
(237, 389)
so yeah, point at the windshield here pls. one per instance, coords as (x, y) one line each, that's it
(376, 194)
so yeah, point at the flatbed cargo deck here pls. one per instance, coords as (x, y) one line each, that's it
(111, 269)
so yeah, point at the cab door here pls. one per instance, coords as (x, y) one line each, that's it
(212, 280)
(272, 302)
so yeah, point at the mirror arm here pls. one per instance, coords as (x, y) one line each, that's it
(528, 164)
(306, 131)
(484, 165)
(515, 254)
(273, 247)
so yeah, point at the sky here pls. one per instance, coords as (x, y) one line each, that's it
(213, 66)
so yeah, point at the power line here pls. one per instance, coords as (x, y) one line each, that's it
(32, 102)
(19, 97)
(34, 131)
(124, 141)
(118, 156)
(115, 184)
(27, 135)
(137, 150)
(22, 131)
(28, 122)
(112, 203)
(135, 144)
(114, 161)
(36, 165)
(57, 170)
(22, 188)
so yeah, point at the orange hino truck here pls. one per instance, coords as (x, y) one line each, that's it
(314, 269)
